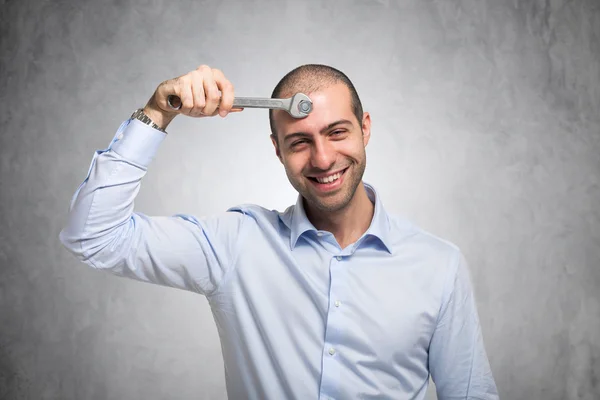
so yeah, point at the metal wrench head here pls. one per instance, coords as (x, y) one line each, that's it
(300, 106)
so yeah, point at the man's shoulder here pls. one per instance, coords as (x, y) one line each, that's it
(407, 233)
(259, 213)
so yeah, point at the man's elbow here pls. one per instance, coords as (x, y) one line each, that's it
(91, 251)
(70, 241)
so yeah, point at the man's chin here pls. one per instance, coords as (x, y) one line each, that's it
(329, 203)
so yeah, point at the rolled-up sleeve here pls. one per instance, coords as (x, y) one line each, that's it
(458, 361)
(104, 232)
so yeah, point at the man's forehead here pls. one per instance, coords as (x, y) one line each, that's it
(312, 88)
(330, 104)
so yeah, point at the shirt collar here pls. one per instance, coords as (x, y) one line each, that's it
(296, 220)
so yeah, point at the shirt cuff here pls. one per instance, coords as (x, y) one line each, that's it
(137, 142)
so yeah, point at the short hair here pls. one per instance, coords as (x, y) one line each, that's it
(310, 78)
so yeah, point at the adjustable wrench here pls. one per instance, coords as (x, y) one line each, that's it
(298, 106)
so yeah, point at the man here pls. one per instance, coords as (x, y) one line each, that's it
(332, 298)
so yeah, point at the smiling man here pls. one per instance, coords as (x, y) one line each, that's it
(333, 298)
(324, 155)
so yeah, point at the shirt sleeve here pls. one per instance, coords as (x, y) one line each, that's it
(458, 361)
(104, 232)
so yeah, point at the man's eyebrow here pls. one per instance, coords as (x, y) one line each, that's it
(328, 127)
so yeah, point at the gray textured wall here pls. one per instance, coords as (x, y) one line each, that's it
(486, 131)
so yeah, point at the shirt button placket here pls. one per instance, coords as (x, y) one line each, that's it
(337, 303)
(330, 373)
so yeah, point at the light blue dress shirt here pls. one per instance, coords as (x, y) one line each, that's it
(298, 316)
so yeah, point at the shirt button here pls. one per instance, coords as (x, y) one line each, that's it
(339, 258)
(337, 303)
(120, 136)
(320, 233)
(332, 351)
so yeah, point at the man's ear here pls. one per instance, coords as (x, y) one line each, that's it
(366, 128)
(276, 146)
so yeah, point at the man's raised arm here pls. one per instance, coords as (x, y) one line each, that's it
(103, 230)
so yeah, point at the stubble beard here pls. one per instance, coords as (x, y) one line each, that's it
(355, 173)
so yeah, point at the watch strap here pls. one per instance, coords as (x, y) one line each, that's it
(140, 116)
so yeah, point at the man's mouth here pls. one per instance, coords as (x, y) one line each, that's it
(325, 179)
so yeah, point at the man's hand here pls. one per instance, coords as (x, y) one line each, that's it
(204, 92)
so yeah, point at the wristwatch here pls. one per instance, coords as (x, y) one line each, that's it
(139, 115)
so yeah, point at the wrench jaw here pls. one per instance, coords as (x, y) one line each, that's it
(300, 106)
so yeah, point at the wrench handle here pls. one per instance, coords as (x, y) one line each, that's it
(253, 102)
(241, 102)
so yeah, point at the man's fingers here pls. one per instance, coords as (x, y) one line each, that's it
(200, 93)
(197, 93)
(227, 92)
(186, 95)
(211, 92)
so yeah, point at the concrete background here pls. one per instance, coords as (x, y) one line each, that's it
(486, 131)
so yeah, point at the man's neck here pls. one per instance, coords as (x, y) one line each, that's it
(348, 224)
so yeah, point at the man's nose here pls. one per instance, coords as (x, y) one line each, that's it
(323, 155)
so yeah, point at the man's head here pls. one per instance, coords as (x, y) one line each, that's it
(329, 143)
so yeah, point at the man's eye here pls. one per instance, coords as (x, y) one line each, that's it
(298, 143)
(338, 132)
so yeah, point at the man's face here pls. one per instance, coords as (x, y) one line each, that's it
(324, 153)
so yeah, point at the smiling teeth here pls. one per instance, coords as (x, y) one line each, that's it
(330, 178)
